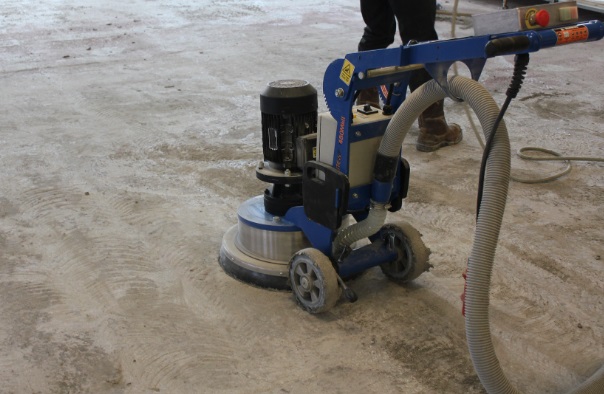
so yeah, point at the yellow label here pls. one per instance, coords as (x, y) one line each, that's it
(346, 73)
(314, 152)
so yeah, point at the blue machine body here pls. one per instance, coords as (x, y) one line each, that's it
(390, 69)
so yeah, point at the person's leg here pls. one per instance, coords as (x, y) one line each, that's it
(380, 25)
(434, 131)
(416, 19)
(416, 22)
(380, 28)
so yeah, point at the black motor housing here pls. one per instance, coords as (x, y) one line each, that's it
(289, 127)
(289, 110)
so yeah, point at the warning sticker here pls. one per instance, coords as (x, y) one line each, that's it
(346, 73)
(384, 90)
(567, 35)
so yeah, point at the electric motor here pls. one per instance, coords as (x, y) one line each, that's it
(289, 111)
(289, 134)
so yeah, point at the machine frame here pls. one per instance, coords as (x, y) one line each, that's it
(290, 252)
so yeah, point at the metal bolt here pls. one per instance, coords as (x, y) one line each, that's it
(361, 75)
(339, 92)
(355, 195)
(276, 218)
(287, 172)
(358, 134)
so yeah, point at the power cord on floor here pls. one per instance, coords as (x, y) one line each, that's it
(522, 152)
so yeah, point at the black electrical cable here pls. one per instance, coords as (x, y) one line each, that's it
(520, 64)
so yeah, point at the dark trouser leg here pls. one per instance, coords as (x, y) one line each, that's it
(416, 23)
(380, 25)
(380, 28)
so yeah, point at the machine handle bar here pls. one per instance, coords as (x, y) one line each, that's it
(507, 45)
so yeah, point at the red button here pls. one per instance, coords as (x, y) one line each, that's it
(542, 18)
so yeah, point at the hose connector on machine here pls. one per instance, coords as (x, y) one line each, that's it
(383, 176)
(374, 221)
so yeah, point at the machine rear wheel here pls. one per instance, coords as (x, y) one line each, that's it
(413, 255)
(313, 280)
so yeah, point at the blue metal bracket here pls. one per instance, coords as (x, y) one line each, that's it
(383, 67)
(319, 236)
(436, 57)
(393, 66)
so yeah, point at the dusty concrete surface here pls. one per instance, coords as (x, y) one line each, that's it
(129, 133)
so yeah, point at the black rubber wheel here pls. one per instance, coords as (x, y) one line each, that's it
(313, 280)
(413, 255)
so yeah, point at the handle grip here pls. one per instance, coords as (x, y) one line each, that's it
(507, 45)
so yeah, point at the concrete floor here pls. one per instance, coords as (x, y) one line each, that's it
(129, 132)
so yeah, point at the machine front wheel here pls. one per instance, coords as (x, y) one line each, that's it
(313, 280)
(413, 255)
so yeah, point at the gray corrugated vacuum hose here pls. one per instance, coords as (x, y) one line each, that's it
(366, 228)
(480, 263)
(390, 146)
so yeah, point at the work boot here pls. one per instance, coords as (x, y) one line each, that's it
(369, 96)
(434, 132)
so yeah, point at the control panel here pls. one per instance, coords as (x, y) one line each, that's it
(367, 128)
(526, 18)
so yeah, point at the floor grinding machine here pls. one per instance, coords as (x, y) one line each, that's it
(332, 177)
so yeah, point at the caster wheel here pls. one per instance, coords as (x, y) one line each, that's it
(313, 280)
(413, 255)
